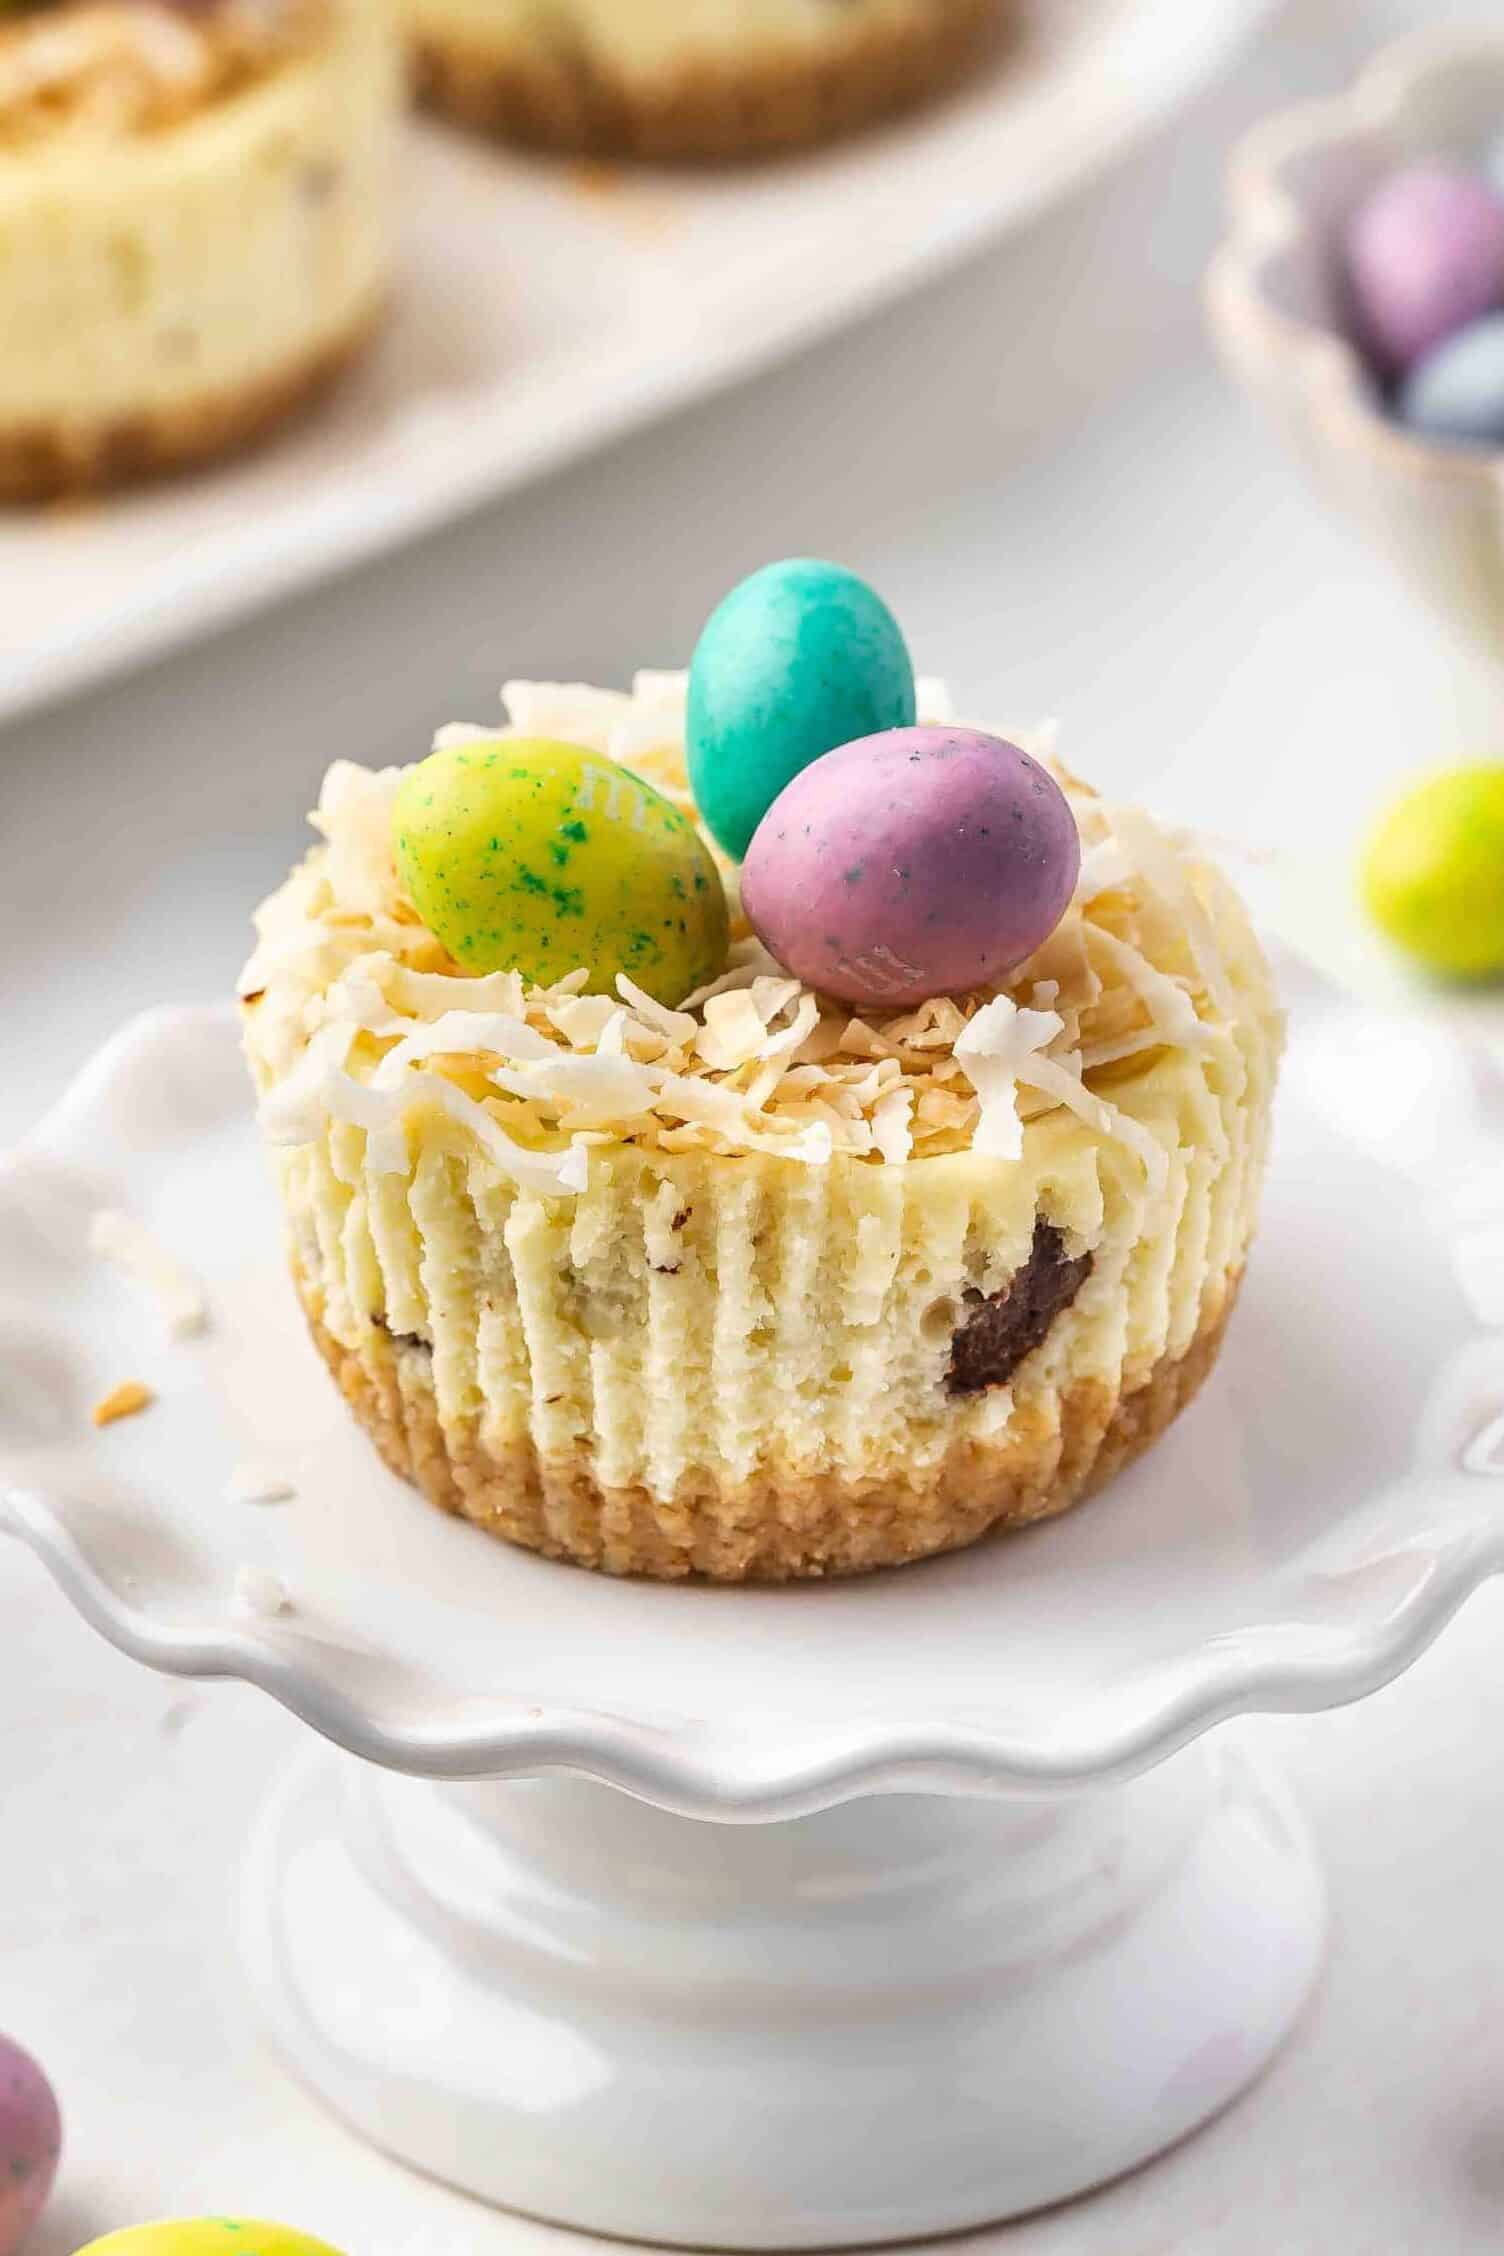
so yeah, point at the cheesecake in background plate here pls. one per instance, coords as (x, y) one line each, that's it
(690, 79)
(195, 224)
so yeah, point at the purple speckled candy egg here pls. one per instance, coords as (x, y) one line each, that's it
(925, 861)
(1425, 256)
(31, 2137)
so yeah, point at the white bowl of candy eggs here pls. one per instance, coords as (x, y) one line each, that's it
(1359, 296)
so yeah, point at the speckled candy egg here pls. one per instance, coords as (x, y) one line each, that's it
(1425, 256)
(31, 2135)
(801, 657)
(208, 2236)
(521, 853)
(926, 861)
(1457, 391)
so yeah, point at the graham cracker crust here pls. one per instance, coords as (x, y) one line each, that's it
(51, 461)
(557, 95)
(778, 1527)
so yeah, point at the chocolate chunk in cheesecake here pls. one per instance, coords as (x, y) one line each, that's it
(1006, 1326)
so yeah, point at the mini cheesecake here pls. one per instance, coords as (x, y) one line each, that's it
(196, 221)
(689, 79)
(749, 1284)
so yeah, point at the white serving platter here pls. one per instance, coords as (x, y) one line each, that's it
(547, 309)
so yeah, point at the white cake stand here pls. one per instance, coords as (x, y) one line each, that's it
(994, 1936)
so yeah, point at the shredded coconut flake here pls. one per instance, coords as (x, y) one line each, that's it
(1059, 1082)
(550, 1173)
(127, 1400)
(892, 1130)
(572, 711)
(260, 1594)
(255, 1484)
(583, 1019)
(429, 994)
(992, 1051)
(455, 735)
(354, 814)
(676, 1026)
(1156, 861)
(459, 1033)
(121, 1239)
(1172, 1014)
(1103, 866)
(733, 1031)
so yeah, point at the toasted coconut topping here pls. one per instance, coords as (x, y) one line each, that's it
(127, 1400)
(364, 1018)
(97, 69)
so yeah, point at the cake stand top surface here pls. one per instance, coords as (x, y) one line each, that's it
(1295, 1541)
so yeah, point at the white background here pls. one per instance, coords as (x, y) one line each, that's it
(1040, 466)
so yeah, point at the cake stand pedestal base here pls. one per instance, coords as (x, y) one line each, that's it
(894, 2018)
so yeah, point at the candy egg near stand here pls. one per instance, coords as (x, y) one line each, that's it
(757, 1914)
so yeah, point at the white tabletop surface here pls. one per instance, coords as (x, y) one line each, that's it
(1040, 466)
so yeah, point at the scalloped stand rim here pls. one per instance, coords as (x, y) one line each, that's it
(1209, 1581)
(570, 2003)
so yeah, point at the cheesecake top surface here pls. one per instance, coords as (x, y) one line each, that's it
(355, 1010)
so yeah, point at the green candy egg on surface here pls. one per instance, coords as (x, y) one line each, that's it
(524, 854)
(801, 657)
(208, 2236)
(1432, 873)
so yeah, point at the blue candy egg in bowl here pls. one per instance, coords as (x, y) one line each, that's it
(1413, 454)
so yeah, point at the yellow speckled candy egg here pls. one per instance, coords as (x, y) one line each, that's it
(1432, 873)
(208, 2236)
(524, 854)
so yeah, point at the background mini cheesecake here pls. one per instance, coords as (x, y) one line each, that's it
(196, 224)
(690, 79)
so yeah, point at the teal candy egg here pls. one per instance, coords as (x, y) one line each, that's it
(801, 657)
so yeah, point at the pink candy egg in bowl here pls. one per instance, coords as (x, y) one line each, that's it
(1280, 308)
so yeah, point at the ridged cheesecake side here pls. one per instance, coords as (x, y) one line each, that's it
(683, 80)
(167, 296)
(743, 1367)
